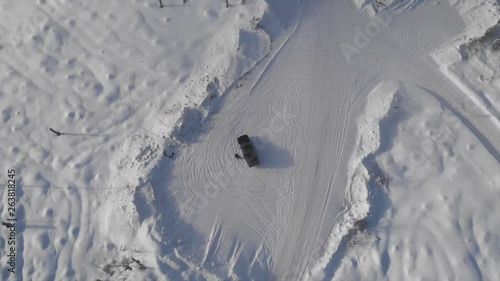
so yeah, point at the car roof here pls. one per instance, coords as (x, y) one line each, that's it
(243, 138)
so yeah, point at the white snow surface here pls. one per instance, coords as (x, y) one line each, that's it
(377, 124)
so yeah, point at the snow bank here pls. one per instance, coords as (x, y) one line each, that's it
(443, 188)
(115, 79)
(472, 65)
(148, 154)
(252, 46)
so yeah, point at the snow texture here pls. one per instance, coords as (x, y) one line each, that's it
(377, 124)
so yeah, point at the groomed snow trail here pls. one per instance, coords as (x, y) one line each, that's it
(298, 115)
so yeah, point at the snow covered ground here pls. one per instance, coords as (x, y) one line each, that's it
(114, 78)
(434, 198)
(377, 124)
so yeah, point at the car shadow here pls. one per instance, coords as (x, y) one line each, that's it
(270, 155)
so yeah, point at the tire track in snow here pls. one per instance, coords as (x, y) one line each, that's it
(416, 52)
(213, 176)
(357, 87)
(214, 172)
(297, 261)
(433, 79)
(443, 265)
(443, 88)
(217, 165)
(268, 228)
(331, 181)
(206, 177)
(213, 241)
(280, 201)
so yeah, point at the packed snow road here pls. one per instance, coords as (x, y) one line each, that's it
(301, 114)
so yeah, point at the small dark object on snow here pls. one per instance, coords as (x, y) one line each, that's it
(237, 156)
(171, 155)
(227, 3)
(8, 224)
(496, 45)
(141, 265)
(248, 150)
(161, 4)
(55, 132)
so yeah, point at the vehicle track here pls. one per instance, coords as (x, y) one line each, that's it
(352, 88)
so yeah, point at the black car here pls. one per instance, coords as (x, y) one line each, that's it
(248, 150)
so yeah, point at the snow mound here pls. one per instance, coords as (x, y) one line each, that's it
(252, 46)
